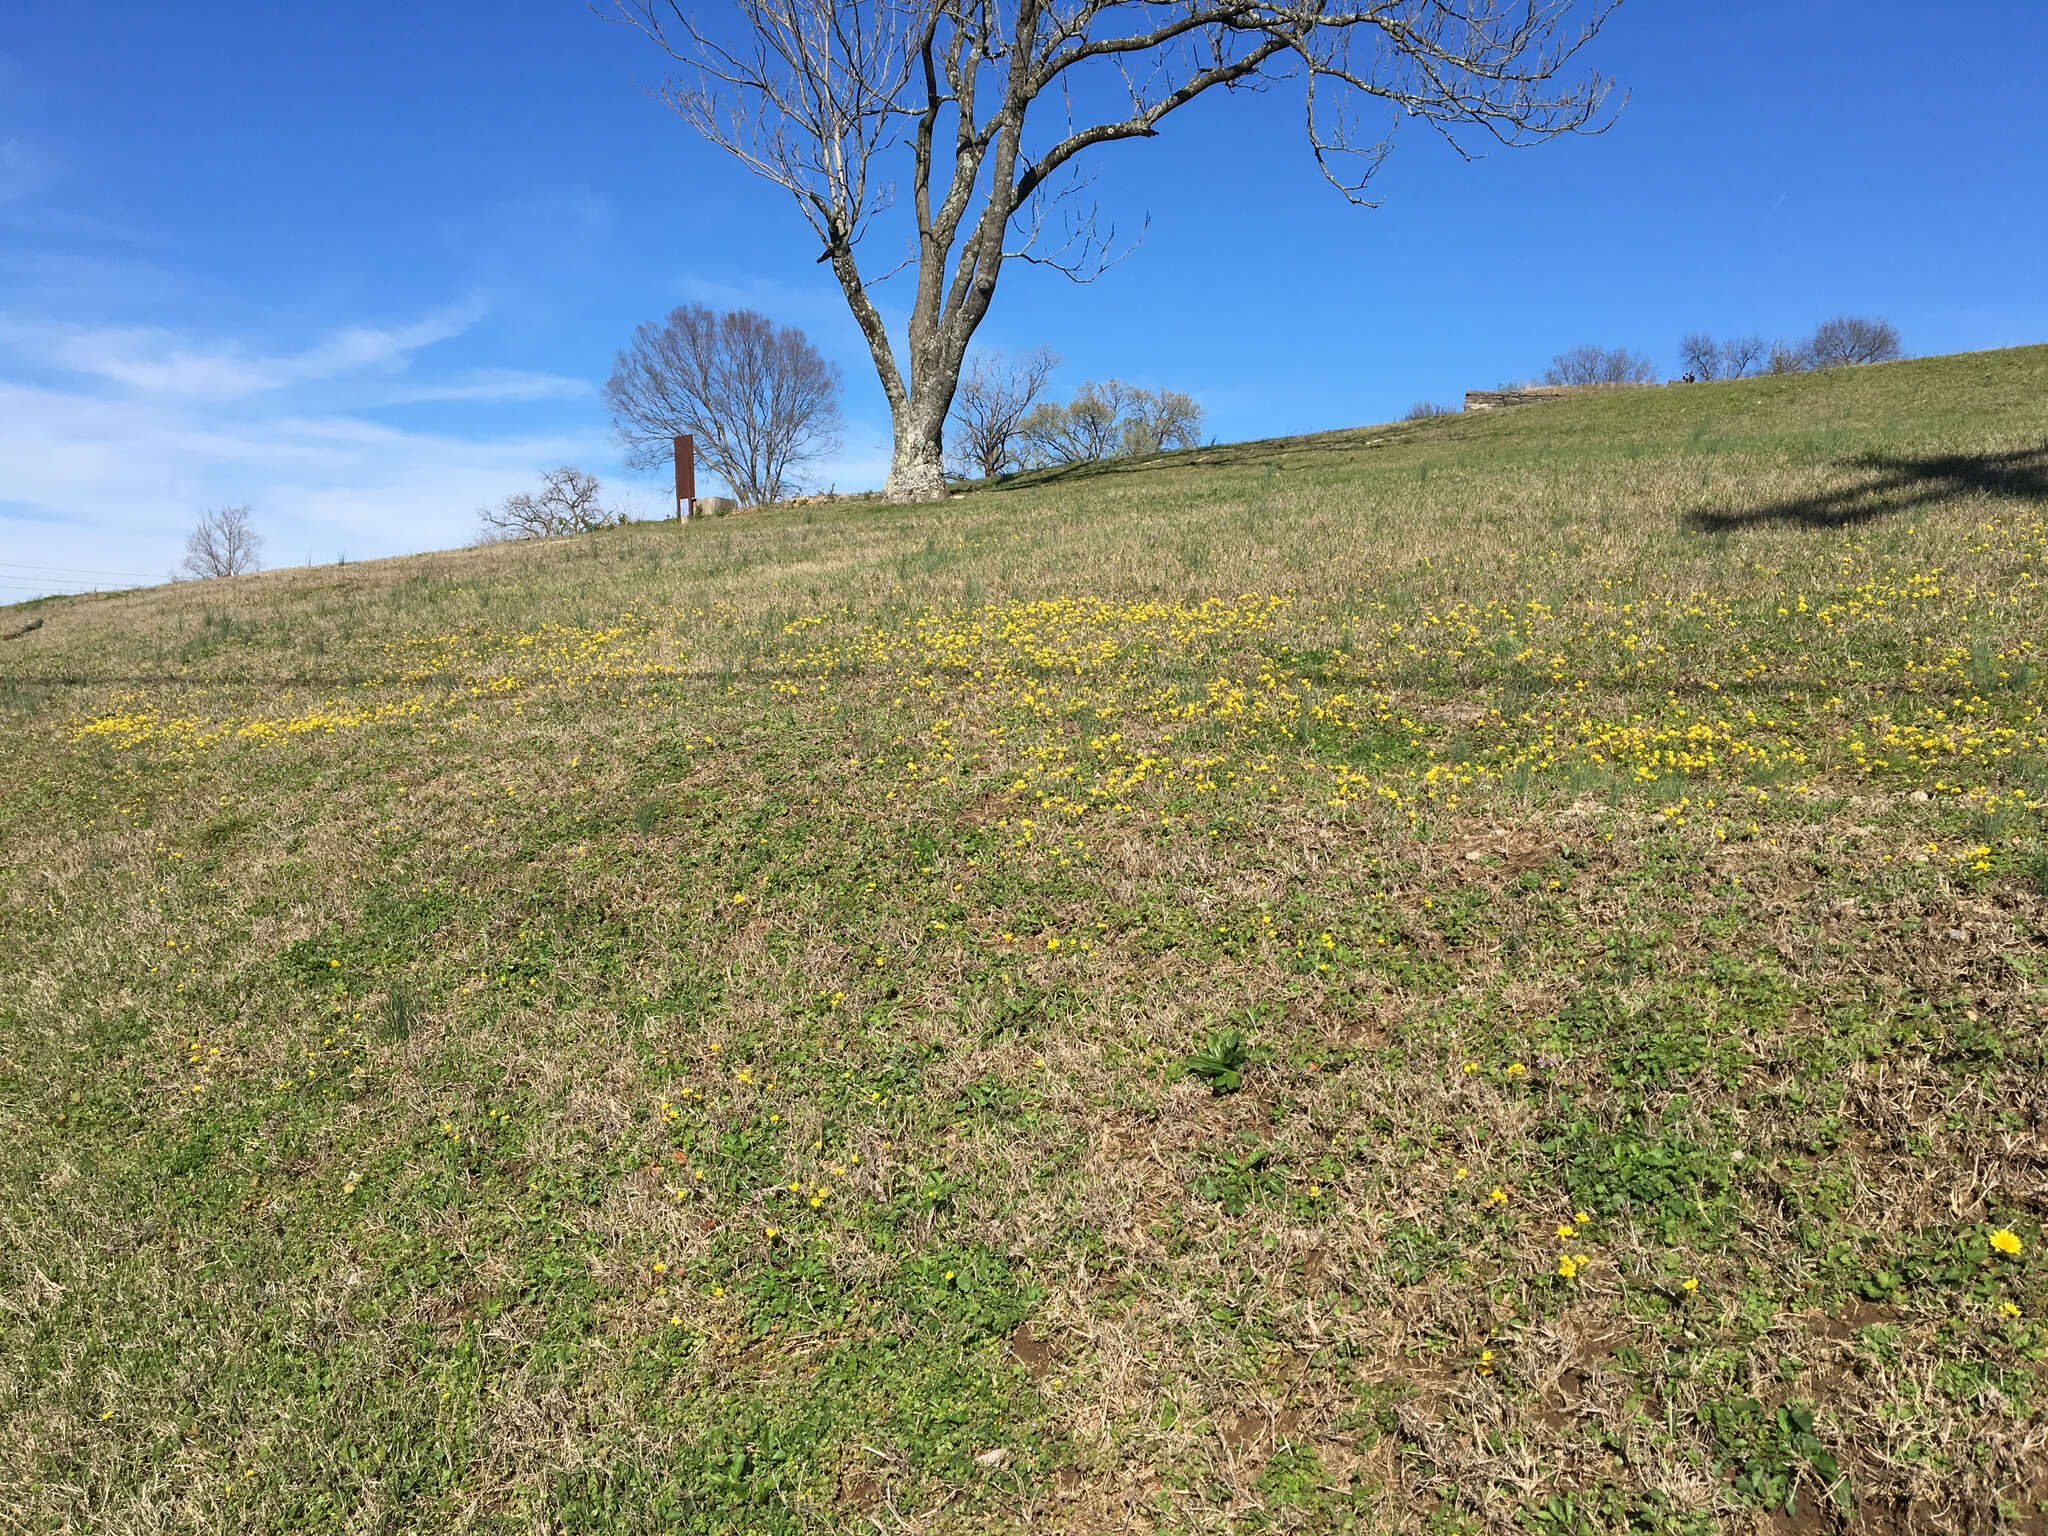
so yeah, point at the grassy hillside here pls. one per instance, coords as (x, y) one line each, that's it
(729, 1028)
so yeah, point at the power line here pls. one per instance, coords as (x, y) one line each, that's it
(74, 570)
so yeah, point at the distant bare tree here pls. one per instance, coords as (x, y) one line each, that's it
(567, 502)
(1107, 419)
(1701, 355)
(1087, 429)
(225, 543)
(760, 400)
(1784, 357)
(1426, 410)
(1739, 354)
(991, 107)
(1847, 340)
(1156, 420)
(1600, 365)
(995, 395)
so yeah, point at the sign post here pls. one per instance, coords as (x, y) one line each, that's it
(686, 475)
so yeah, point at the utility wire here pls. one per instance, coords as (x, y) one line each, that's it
(75, 570)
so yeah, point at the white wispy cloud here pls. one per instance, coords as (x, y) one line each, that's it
(116, 482)
(154, 361)
(489, 384)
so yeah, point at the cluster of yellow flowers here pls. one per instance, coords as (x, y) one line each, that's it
(1366, 698)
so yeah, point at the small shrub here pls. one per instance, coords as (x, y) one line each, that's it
(1221, 1063)
(566, 503)
(1238, 1183)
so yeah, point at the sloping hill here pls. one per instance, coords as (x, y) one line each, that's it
(1477, 974)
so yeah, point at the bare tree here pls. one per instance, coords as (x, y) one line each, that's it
(1600, 365)
(1784, 357)
(225, 543)
(1107, 419)
(567, 502)
(987, 100)
(1086, 430)
(760, 400)
(1847, 340)
(1156, 420)
(1739, 354)
(1428, 410)
(1701, 355)
(995, 395)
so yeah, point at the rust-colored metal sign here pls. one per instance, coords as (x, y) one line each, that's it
(686, 475)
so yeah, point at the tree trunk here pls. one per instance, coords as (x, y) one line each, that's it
(917, 469)
(917, 472)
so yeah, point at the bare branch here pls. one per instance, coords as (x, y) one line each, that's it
(566, 503)
(815, 94)
(1848, 340)
(1739, 354)
(1086, 249)
(1600, 365)
(761, 401)
(1107, 419)
(994, 396)
(225, 543)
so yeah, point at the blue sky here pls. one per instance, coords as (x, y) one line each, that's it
(364, 267)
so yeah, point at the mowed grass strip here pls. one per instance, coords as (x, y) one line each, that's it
(1483, 974)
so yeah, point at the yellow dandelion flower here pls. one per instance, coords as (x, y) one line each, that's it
(2005, 1240)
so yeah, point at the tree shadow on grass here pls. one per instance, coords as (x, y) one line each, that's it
(1895, 484)
(1312, 450)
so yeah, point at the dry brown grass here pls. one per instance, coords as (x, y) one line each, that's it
(1735, 916)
